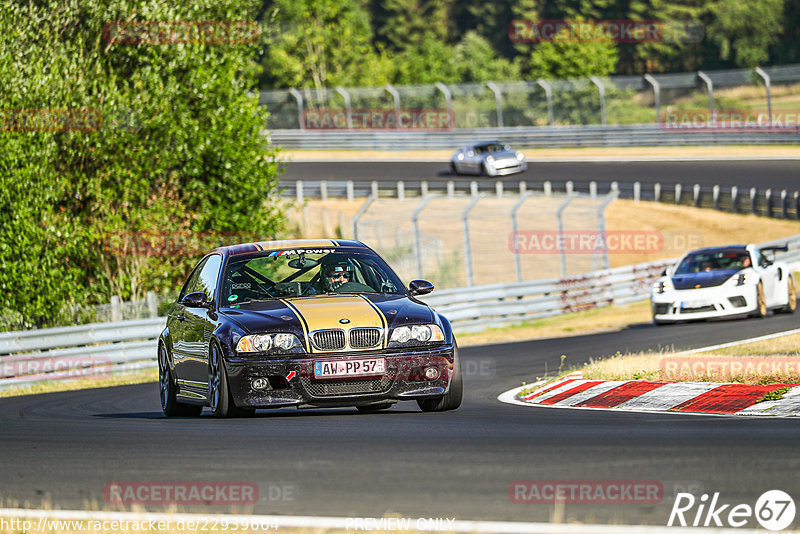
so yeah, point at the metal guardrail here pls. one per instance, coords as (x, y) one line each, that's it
(106, 348)
(783, 204)
(522, 137)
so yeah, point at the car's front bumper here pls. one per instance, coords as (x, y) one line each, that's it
(292, 382)
(505, 167)
(704, 303)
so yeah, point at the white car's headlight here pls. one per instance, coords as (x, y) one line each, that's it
(520, 156)
(420, 333)
(266, 342)
(460, 156)
(489, 159)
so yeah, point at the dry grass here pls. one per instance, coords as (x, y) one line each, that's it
(773, 361)
(85, 383)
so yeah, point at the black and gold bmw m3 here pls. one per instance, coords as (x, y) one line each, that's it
(305, 323)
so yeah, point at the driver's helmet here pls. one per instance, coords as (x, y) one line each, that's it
(336, 274)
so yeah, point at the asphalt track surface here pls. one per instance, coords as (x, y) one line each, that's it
(62, 449)
(762, 174)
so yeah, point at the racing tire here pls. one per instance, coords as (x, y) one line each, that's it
(167, 389)
(484, 170)
(791, 304)
(219, 393)
(761, 302)
(453, 170)
(375, 407)
(450, 400)
(659, 322)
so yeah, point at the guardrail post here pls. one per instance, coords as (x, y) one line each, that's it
(350, 192)
(562, 255)
(784, 204)
(498, 188)
(570, 187)
(615, 187)
(116, 309)
(451, 189)
(637, 191)
(473, 188)
(417, 237)
(768, 197)
(346, 96)
(498, 98)
(657, 191)
(593, 189)
(299, 190)
(360, 213)
(715, 194)
(152, 304)
(467, 243)
(766, 79)
(797, 204)
(514, 230)
(753, 200)
(696, 195)
(523, 187)
(548, 188)
(735, 198)
(423, 188)
(401, 190)
(298, 96)
(548, 93)
(374, 188)
(656, 94)
(678, 189)
(709, 87)
(323, 189)
(602, 90)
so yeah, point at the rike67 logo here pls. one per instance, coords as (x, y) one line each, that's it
(774, 510)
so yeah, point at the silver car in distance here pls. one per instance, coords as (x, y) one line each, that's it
(487, 158)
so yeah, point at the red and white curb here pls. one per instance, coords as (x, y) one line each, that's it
(573, 391)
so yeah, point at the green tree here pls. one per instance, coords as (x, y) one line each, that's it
(744, 31)
(477, 61)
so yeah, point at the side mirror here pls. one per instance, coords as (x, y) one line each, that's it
(195, 300)
(420, 287)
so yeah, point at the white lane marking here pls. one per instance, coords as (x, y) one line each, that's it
(740, 342)
(668, 396)
(590, 393)
(347, 523)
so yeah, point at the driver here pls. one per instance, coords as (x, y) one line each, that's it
(335, 275)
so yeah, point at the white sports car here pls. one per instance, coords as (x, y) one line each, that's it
(723, 281)
(488, 158)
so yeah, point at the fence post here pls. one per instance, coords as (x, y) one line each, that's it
(448, 99)
(417, 237)
(766, 79)
(350, 192)
(116, 309)
(570, 187)
(401, 190)
(374, 188)
(768, 197)
(423, 187)
(657, 191)
(514, 229)
(678, 189)
(548, 188)
(523, 187)
(797, 204)
(784, 204)
(467, 244)
(615, 187)
(656, 94)
(299, 188)
(451, 189)
(152, 304)
(601, 230)
(498, 98)
(715, 193)
(696, 195)
(562, 255)
(346, 96)
(710, 87)
(735, 198)
(360, 213)
(298, 96)
(498, 189)
(602, 90)
(323, 190)
(593, 189)
(395, 97)
(637, 191)
(473, 188)
(753, 200)
(548, 93)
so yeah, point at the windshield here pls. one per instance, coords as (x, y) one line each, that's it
(490, 147)
(715, 260)
(279, 274)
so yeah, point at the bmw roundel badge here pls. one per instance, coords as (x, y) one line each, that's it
(344, 321)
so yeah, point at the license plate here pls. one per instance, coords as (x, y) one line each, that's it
(695, 303)
(342, 368)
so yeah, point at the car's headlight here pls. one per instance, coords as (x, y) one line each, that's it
(460, 156)
(520, 156)
(267, 343)
(489, 159)
(660, 286)
(418, 333)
